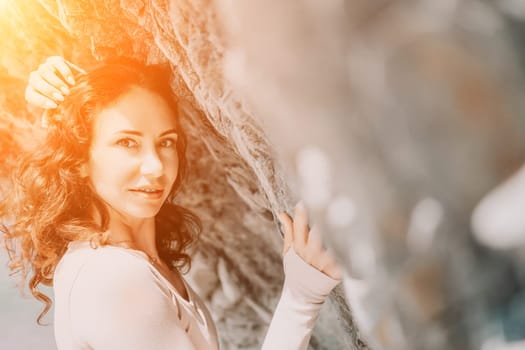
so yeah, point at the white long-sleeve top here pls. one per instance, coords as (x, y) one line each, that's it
(112, 298)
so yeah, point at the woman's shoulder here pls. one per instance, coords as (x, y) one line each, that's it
(84, 262)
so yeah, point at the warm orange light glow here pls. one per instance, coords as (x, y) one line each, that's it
(4, 10)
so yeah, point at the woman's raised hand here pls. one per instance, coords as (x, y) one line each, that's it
(49, 84)
(307, 242)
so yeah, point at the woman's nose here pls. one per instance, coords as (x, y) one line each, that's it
(151, 165)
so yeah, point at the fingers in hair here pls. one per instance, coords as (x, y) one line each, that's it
(62, 67)
(54, 81)
(37, 99)
(42, 87)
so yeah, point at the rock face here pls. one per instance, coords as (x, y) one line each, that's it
(234, 182)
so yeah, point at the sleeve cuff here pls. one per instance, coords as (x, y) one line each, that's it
(304, 280)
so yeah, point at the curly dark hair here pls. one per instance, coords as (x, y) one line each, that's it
(48, 202)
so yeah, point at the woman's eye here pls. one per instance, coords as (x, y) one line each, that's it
(170, 142)
(127, 142)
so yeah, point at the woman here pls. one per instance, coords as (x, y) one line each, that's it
(92, 214)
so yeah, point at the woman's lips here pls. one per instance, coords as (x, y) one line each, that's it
(149, 193)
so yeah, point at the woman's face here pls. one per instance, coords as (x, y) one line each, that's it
(133, 160)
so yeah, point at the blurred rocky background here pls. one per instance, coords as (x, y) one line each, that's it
(398, 123)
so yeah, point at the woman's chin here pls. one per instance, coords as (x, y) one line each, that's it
(140, 212)
(145, 214)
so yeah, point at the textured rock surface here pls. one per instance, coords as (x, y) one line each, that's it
(234, 183)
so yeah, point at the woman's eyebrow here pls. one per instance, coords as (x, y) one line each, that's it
(170, 131)
(131, 132)
(138, 133)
